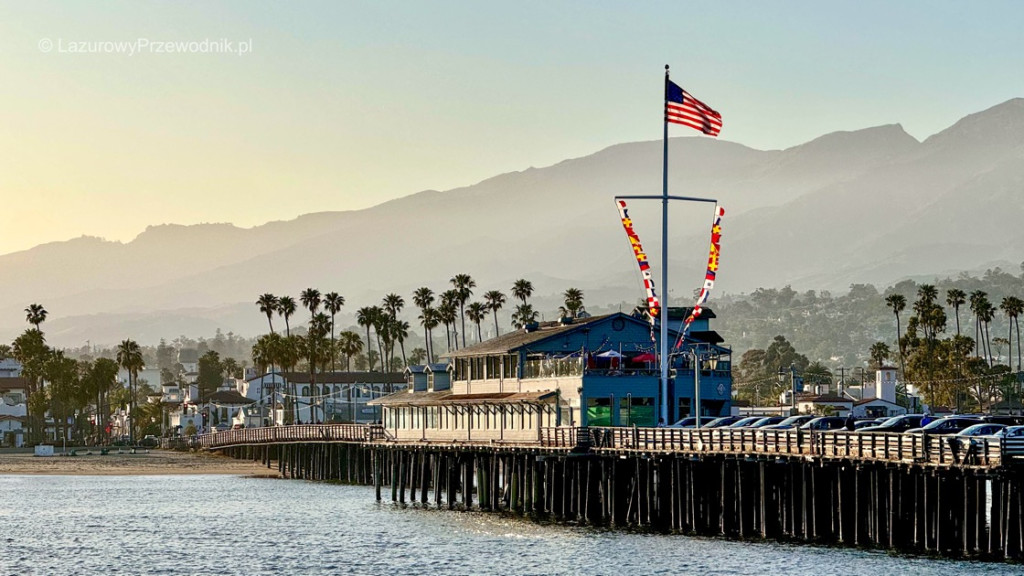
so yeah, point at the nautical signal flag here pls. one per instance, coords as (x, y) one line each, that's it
(683, 108)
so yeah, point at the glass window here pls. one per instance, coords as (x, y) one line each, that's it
(599, 412)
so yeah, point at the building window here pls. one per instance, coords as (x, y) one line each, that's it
(599, 412)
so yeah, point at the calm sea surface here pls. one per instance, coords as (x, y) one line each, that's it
(53, 525)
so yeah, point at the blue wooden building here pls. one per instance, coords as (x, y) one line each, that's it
(594, 371)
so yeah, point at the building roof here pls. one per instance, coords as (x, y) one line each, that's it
(341, 377)
(229, 398)
(14, 383)
(824, 399)
(870, 400)
(416, 369)
(437, 367)
(446, 398)
(511, 341)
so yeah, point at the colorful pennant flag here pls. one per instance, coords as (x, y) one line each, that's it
(653, 304)
(709, 276)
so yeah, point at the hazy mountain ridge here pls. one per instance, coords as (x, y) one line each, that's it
(870, 205)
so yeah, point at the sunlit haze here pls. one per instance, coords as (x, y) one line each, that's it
(267, 111)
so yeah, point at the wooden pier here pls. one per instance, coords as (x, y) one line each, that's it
(918, 494)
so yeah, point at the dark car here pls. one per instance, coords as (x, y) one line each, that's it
(767, 421)
(691, 421)
(1003, 419)
(722, 422)
(948, 425)
(745, 422)
(894, 425)
(150, 441)
(791, 422)
(824, 423)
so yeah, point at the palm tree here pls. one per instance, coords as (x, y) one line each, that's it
(393, 303)
(573, 302)
(365, 318)
(1011, 307)
(1016, 308)
(495, 300)
(986, 314)
(522, 289)
(523, 315)
(898, 303)
(333, 303)
(464, 285)
(477, 312)
(400, 331)
(35, 314)
(310, 298)
(129, 357)
(423, 298)
(879, 352)
(978, 303)
(286, 307)
(268, 305)
(349, 344)
(955, 298)
(447, 314)
(430, 319)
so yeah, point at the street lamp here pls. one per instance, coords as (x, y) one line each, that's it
(792, 385)
(712, 364)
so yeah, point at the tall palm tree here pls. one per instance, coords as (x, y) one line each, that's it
(495, 300)
(464, 285)
(573, 302)
(430, 319)
(423, 298)
(286, 307)
(35, 314)
(955, 298)
(1010, 307)
(349, 344)
(333, 303)
(986, 314)
(365, 317)
(522, 289)
(393, 303)
(400, 331)
(477, 311)
(879, 352)
(898, 303)
(523, 315)
(129, 357)
(978, 303)
(268, 305)
(1016, 308)
(447, 313)
(311, 300)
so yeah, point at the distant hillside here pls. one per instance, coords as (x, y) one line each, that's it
(872, 205)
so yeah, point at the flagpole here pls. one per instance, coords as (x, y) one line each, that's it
(664, 261)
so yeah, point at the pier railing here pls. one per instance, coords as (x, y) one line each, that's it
(283, 434)
(984, 452)
(942, 450)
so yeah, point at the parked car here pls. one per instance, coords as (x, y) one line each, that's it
(149, 441)
(824, 423)
(896, 424)
(767, 421)
(745, 422)
(222, 427)
(722, 422)
(1003, 419)
(691, 421)
(791, 422)
(986, 429)
(1011, 432)
(947, 425)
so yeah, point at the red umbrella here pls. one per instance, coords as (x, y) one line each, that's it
(647, 357)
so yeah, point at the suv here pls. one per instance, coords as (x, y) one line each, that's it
(896, 424)
(948, 425)
(825, 423)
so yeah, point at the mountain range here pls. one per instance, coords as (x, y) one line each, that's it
(867, 206)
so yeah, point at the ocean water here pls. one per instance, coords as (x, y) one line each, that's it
(114, 525)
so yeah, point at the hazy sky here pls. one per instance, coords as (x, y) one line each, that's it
(342, 105)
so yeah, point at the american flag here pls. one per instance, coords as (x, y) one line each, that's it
(682, 108)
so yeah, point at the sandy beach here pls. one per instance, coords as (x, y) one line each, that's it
(154, 462)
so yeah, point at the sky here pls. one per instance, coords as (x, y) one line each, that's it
(122, 115)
